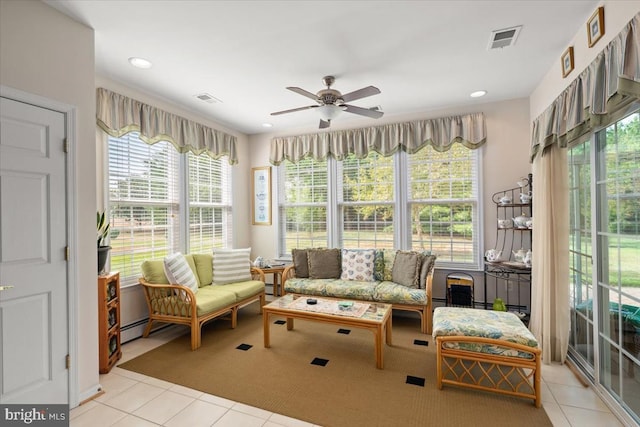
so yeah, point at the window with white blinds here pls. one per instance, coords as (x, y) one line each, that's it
(423, 201)
(303, 205)
(148, 207)
(209, 203)
(366, 201)
(443, 204)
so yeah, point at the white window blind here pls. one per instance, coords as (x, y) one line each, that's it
(443, 204)
(303, 192)
(210, 222)
(423, 201)
(149, 210)
(143, 201)
(366, 201)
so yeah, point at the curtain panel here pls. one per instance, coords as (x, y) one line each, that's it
(596, 96)
(469, 130)
(117, 115)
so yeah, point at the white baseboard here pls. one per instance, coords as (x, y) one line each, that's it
(87, 395)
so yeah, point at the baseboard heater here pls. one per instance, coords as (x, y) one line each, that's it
(133, 331)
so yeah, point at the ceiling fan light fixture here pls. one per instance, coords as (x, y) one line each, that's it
(329, 112)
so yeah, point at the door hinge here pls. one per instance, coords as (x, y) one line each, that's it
(67, 362)
(66, 253)
(65, 145)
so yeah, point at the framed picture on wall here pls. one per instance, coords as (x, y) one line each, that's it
(261, 195)
(595, 26)
(567, 61)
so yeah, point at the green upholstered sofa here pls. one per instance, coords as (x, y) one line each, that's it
(174, 303)
(379, 288)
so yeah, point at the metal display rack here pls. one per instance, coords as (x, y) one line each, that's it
(509, 279)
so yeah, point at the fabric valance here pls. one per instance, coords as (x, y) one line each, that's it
(596, 96)
(118, 115)
(441, 133)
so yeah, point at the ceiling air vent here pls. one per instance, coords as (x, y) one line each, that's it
(207, 97)
(504, 38)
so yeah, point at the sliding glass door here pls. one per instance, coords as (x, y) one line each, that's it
(605, 259)
(581, 255)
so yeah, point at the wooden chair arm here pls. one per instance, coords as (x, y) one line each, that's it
(169, 299)
(257, 274)
(429, 283)
(288, 273)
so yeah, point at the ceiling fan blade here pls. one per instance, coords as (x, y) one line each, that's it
(303, 92)
(324, 124)
(293, 110)
(360, 93)
(375, 114)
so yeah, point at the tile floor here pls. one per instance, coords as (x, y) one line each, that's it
(135, 400)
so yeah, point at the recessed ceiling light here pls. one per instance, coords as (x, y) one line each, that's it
(140, 62)
(267, 125)
(478, 93)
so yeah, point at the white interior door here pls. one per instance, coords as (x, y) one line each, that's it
(33, 238)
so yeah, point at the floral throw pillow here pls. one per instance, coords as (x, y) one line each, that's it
(389, 258)
(358, 264)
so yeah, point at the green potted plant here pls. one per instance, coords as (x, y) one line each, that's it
(103, 232)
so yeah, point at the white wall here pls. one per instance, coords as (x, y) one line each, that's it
(505, 158)
(46, 53)
(617, 14)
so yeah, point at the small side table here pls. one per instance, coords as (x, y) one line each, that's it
(277, 277)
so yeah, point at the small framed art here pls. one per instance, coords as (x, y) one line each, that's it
(567, 61)
(595, 26)
(261, 195)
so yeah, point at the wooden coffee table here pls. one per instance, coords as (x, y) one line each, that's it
(373, 316)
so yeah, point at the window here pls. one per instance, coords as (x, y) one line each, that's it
(303, 204)
(149, 208)
(443, 203)
(209, 203)
(367, 202)
(424, 201)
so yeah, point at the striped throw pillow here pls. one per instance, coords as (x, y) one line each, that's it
(231, 266)
(179, 273)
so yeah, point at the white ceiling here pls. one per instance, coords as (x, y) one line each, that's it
(422, 55)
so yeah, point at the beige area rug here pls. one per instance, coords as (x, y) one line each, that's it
(347, 391)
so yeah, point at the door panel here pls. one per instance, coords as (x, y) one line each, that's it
(33, 312)
(33, 237)
(25, 245)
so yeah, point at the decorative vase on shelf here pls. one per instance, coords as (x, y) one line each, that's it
(103, 255)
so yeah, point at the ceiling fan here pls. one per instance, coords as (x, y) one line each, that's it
(331, 102)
